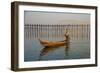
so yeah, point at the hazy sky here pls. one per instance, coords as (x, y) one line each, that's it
(32, 17)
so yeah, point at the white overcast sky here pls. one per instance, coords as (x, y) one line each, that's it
(32, 17)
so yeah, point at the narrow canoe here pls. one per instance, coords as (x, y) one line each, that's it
(47, 43)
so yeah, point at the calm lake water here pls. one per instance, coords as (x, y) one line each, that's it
(76, 49)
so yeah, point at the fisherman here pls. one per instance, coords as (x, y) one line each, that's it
(67, 35)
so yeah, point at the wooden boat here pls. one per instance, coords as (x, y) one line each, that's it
(47, 43)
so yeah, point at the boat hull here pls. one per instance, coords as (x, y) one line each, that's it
(52, 44)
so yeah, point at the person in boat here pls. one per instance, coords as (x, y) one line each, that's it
(67, 35)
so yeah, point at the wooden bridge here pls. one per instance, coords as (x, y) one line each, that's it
(49, 31)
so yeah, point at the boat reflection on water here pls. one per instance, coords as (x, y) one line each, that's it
(49, 49)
